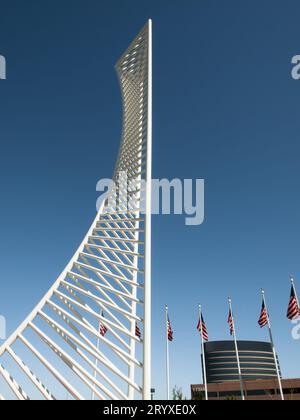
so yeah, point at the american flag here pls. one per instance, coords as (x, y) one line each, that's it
(230, 322)
(137, 331)
(169, 330)
(263, 319)
(293, 309)
(201, 327)
(102, 328)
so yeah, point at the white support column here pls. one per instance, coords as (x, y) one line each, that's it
(237, 352)
(273, 348)
(148, 291)
(203, 354)
(96, 365)
(167, 354)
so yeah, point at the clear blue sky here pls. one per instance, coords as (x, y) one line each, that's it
(225, 109)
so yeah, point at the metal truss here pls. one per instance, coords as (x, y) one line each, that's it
(58, 352)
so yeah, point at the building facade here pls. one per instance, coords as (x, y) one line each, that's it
(256, 359)
(265, 390)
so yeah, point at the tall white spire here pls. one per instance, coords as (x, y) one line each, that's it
(107, 282)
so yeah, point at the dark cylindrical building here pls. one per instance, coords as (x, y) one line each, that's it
(256, 358)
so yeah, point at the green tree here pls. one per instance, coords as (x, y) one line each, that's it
(231, 398)
(178, 394)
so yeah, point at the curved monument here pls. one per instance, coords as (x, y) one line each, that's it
(90, 336)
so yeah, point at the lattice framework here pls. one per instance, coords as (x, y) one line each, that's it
(58, 351)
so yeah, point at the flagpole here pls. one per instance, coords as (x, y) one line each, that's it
(237, 351)
(273, 347)
(96, 364)
(96, 360)
(167, 357)
(293, 284)
(203, 353)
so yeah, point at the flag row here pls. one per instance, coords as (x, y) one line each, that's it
(293, 312)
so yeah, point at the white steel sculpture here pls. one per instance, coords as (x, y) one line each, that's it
(58, 352)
